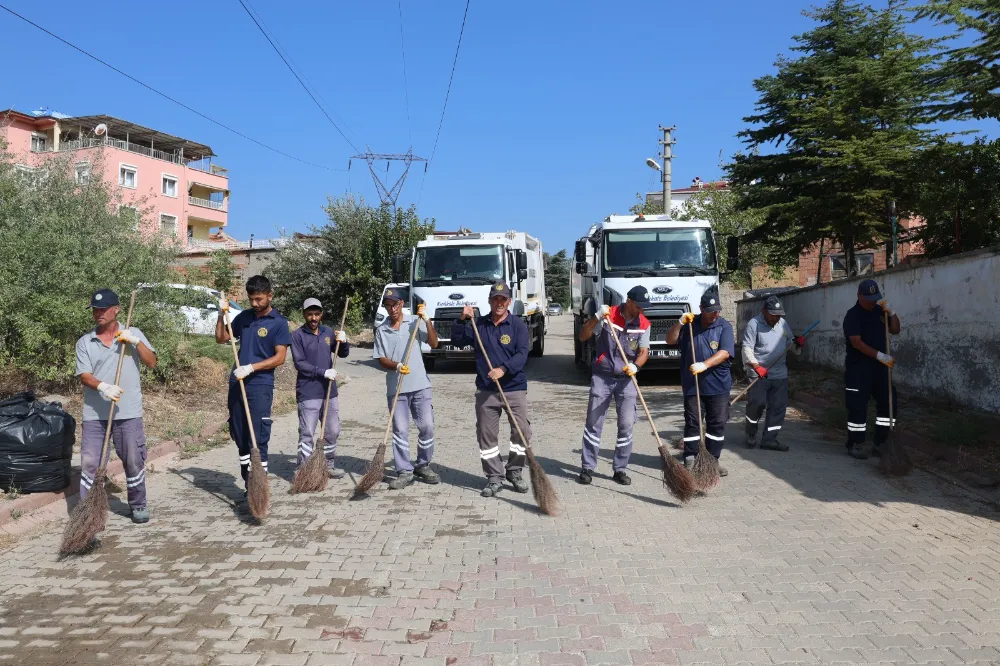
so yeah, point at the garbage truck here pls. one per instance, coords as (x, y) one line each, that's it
(674, 260)
(449, 269)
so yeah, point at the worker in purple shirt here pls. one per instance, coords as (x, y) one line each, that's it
(312, 351)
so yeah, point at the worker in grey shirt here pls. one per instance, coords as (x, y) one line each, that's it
(96, 365)
(765, 339)
(391, 338)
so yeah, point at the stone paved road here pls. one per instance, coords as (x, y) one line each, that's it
(804, 557)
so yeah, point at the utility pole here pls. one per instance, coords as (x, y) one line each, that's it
(667, 142)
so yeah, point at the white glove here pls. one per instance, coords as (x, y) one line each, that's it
(110, 392)
(603, 312)
(340, 336)
(223, 305)
(330, 374)
(886, 308)
(422, 312)
(243, 371)
(631, 369)
(698, 368)
(886, 360)
(127, 335)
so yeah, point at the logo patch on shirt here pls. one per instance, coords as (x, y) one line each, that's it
(505, 339)
(633, 344)
(327, 339)
(714, 345)
(262, 332)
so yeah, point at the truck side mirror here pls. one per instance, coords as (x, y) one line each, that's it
(522, 274)
(580, 267)
(522, 263)
(397, 268)
(580, 252)
(732, 253)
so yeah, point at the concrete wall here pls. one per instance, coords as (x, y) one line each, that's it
(949, 309)
(247, 263)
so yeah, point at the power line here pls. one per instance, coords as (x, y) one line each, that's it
(163, 94)
(406, 90)
(447, 94)
(296, 75)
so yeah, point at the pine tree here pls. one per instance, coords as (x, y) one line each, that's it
(842, 122)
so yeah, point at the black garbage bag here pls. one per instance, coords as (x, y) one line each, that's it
(36, 444)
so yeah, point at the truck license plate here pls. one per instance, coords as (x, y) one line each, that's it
(455, 348)
(666, 353)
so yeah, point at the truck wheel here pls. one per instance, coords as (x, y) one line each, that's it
(429, 363)
(539, 347)
(577, 352)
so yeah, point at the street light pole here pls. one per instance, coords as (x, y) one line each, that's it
(667, 143)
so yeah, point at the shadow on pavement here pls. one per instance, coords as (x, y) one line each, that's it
(225, 487)
(559, 469)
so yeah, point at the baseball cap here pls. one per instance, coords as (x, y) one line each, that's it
(774, 306)
(103, 298)
(639, 296)
(868, 290)
(500, 289)
(710, 301)
(392, 295)
(311, 303)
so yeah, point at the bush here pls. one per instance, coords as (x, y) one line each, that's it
(60, 242)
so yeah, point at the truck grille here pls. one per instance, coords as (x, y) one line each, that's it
(444, 318)
(658, 329)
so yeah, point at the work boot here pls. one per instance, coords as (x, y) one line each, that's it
(621, 477)
(751, 442)
(336, 473)
(858, 451)
(774, 445)
(723, 471)
(586, 476)
(140, 516)
(427, 475)
(514, 477)
(492, 489)
(401, 481)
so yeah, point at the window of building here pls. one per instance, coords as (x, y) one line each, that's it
(131, 214)
(864, 264)
(128, 176)
(169, 185)
(82, 173)
(39, 143)
(168, 225)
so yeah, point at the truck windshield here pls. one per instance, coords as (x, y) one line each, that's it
(659, 251)
(458, 264)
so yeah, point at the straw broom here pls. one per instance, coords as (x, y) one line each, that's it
(894, 460)
(312, 475)
(541, 487)
(258, 488)
(705, 468)
(376, 468)
(90, 517)
(676, 479)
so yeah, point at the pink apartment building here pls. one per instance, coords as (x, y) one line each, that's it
(186, 196)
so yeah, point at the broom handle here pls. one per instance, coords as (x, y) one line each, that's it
(118, 376)
(399, 382)
(503, 397)
(780, 356)
(329, 386)
(892, 421)
(697, 387)
(635, 382)
(243, 390)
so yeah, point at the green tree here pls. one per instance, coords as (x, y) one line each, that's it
(350, 256)
(836, 128)
(222, 271)
(557, 273)
(970, 72)
(59, 242)
(644, 206)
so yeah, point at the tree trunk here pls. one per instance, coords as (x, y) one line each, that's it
(852, 268)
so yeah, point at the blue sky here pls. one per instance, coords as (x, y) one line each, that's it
(552, 112)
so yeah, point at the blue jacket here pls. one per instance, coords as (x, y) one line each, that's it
(506, 344)
(707, 342)
(312, 355)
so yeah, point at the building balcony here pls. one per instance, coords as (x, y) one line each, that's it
(207, 203)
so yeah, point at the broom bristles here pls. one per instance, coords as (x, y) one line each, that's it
(894, 460)
(677, 443)
(541, 487)
(374, 474)
(88, 519)
(311, 476)
(676, 479)
(258, 488)
(705, 470)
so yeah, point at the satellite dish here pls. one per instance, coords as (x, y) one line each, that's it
(653, 164)
(101, 129)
